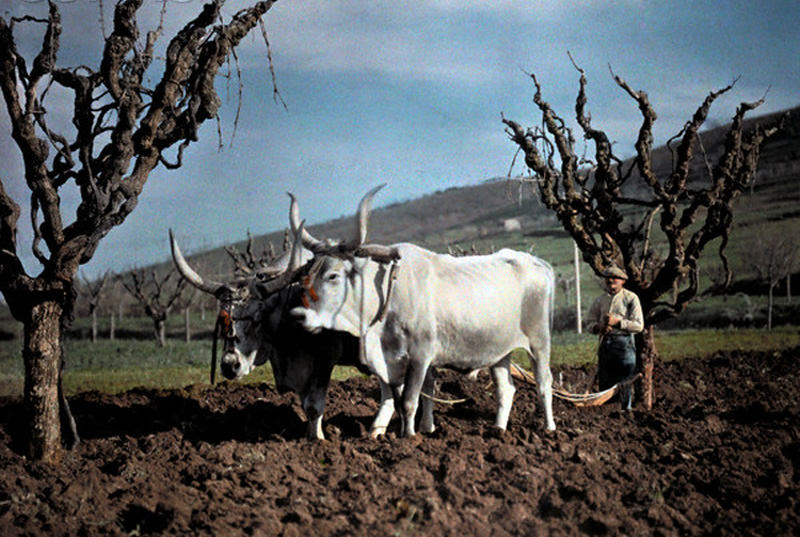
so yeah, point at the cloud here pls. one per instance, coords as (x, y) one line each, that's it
(411, 94)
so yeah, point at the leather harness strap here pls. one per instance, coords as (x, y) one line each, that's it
(383, 310)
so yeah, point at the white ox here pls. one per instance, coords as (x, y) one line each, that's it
(465, 313)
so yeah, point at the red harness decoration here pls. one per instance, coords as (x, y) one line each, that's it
(309, 288)
(223, 328)
(227, 322)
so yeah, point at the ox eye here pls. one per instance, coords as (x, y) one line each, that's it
(333, 276)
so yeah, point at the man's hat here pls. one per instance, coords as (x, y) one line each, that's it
(613, 271)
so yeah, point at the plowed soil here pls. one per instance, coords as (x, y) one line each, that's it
(718, 455)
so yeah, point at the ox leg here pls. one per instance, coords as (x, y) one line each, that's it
(314, 406)
(397, 394)
(501, 374)
(544, 381)
(415, 378)
(385, 412)
(314, 425)
(426, 424)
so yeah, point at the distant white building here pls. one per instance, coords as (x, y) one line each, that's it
(512, 224)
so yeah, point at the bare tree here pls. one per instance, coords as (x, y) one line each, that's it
(93, 291)
(458, 251)
(772, 257)
(609, 206)
(156, 294)
(565, 284)
(247, 263)
(124, 124)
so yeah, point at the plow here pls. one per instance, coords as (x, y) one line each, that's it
(577, 399)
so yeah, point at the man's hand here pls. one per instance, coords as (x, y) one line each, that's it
(613, 320)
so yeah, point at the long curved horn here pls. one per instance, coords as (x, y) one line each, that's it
(295, 263)
(294, 220)
(187, 272)
(363, 216)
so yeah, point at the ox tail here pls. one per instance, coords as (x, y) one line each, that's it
(552, 303)
(551, 274)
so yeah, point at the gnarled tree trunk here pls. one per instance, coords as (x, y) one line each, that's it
(647, 355)
(42, 356)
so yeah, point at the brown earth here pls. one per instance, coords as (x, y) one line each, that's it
(719, 455)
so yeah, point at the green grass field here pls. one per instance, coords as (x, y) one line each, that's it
(116, 366)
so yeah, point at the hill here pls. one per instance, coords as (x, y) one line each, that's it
(461, 217)
(474, 216)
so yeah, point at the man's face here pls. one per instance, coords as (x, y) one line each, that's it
(614, 285)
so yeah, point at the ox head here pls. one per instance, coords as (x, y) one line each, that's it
(348, 280)
(247, 308)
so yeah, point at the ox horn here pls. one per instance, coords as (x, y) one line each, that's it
(295, 264)
(363, 216)
(187, 272)
(377, 252)
(301, 235)
(380, 253)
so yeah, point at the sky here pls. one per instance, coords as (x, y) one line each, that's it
(411, 95)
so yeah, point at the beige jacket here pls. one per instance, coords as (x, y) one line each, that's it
(624, 305)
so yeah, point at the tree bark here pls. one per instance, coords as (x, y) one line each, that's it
(577, 262)
(94, 325)
(42, 357)
(648, 354)
(769, 307)
(160, 326)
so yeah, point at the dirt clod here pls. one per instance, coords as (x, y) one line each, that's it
(719, 454)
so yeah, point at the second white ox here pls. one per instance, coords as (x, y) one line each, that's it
(433, 310)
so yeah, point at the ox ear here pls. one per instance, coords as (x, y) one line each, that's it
(362, 216)
(215, 288)
(291, 272)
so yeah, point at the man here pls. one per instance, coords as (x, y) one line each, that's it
(615, 317)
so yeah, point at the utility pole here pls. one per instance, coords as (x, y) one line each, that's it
(577, 287)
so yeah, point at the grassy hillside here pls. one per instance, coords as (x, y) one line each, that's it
(461, 217)
(474, 216)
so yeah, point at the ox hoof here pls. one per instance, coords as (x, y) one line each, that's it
(413, 441)
(496, 432)
(377, 432)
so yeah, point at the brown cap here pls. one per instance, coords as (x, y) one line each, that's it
(613, 271)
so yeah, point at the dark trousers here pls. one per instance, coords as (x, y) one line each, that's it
(616, 361)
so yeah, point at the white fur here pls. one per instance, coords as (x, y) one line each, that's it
(466, 313)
